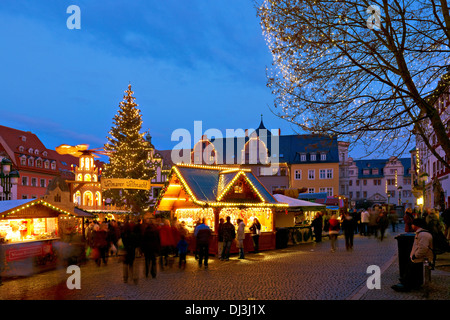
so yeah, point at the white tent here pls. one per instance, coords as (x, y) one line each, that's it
(296, 203)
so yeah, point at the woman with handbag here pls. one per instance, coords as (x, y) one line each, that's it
(256, 232)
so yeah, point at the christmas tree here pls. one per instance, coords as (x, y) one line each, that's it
(130, 155)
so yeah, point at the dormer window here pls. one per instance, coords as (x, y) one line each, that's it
(23, 160)
(303, 157)
(44, 153)
(30, 150)
(31, 162)
(36, 152)
(313, 157)
(366, 172)
(323, 156)
(21, 148)
(46, 164)
(53, 165)
(374, 171)
(39, 163)
(23, 138)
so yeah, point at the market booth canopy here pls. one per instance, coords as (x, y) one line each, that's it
(16, 209)
(214, 186)
(297, 203)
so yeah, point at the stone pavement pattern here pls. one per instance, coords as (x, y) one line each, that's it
(301, 272)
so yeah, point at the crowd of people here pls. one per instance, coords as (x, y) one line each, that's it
(374, 222)
(163, 240)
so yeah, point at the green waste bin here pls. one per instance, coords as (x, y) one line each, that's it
(411, 274)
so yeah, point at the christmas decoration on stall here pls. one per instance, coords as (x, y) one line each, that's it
(130, 155)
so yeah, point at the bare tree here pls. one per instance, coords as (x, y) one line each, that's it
(369, 72)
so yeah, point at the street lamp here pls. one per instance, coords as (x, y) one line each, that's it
(8, 178)
(400, 195)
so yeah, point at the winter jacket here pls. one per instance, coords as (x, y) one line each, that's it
(229, 232)
(166, 236)
(150, 239)
(334, 226)
(202, 233)
(422, 246)
(408, 219)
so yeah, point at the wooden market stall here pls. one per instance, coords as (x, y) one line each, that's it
(30, 232)
(194, 192)
(296, 219)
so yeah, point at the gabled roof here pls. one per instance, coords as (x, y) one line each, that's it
(8, 207)
(206, 185)
(380, 164)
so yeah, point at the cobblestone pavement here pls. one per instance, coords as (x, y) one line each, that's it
(300, 272)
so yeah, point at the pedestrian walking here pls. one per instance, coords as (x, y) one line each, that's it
(241, 238)
(365, 219)
(167, 242)
(256, 232)
(229, 234)
(373, 225)
(202, 235)
(100, 244)
(175, 235)
(131, 241)
(382, 224)
(393, 220)
(182, 248)
(333, 231)
(220, 238)
(348, 227)
(317, 224)
(150, 247)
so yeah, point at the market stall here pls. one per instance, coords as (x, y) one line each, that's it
(30, 231)
(194, 192)
(295, 221)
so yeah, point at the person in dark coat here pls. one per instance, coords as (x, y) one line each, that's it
(408, 219)
(202, 234)
(150, 248)
(317, 224)
(229, 233)
(383, 223)
(348, 227)
(100, 243)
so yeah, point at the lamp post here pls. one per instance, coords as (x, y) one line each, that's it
(8, 178)
(399, 195)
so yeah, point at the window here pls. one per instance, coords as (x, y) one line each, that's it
(313, 157)
(311, 190)
(365, 194)
(23, 161)
(25, 181)
(31, 162)
(30, 150)
(357, 183)
(350, 172)
(44, 153)
(322, 174)
(36, 152)
(350, 182)
(23, 139)
(21, 148)
(38, 163)
(323, 156)
(42, 183)
(374, 171)
(53, 165)
(311, 174)
(24, 196)
(330, 192)
(366, 172)
(33, 182)
(303, 157)
(357, 194)
(364, 182)
(298, 174)
(329, 173)
(46, 164)
(322, 189)
(350, 194)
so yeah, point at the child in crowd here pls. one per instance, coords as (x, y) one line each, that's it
(182, 247)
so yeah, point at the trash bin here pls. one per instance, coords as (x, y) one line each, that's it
(405, 243)
(281, 238)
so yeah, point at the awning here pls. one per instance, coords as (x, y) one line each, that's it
(82, 214)
(300, 204)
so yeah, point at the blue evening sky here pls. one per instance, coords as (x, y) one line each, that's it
(187, 61)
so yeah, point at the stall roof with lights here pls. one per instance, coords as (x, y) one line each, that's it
(208, 186)
(296, 203)
(15, 208)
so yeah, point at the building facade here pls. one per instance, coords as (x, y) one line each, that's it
(36, 164)
(380, 181)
